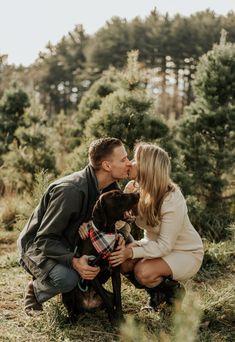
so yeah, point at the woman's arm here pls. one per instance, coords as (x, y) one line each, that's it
(171, 224)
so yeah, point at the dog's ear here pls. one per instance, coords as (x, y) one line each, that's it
(98, 215)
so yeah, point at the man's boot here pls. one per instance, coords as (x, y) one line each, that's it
(31, 304)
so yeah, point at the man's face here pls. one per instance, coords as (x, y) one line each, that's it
(118, 163)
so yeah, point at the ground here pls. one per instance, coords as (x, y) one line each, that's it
(213, 286)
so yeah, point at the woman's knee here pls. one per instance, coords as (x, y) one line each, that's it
(150, 271)
(142, 275)
(63, 278)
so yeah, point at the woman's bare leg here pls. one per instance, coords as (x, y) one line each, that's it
(150, 272)
(128, 265)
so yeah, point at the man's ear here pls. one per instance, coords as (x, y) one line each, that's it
(105, 165)
(98, 215)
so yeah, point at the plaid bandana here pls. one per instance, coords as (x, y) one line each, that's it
(103, 243)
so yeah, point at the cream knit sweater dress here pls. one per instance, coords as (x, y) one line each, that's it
(174, 240)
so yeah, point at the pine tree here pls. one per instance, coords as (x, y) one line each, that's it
(128, 112)
(29, 153)
(92, 99)
(125, 112)
(12, 108)
(207, 140)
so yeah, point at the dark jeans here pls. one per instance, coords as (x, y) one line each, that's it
(60, 279)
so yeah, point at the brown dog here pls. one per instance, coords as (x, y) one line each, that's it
(109, 208)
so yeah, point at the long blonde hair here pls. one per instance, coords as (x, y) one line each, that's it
(153, 177)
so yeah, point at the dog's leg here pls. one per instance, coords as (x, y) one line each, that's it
(116, 282)
(106, 299)
(73, 303)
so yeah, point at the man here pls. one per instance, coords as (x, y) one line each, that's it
(48, 241)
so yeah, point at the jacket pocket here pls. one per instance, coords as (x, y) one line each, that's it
(37, 263)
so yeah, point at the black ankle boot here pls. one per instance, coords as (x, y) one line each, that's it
(172, 289)
(166, 292)
(156, 297)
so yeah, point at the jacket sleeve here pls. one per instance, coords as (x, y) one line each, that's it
(65, 202)
(171, 224)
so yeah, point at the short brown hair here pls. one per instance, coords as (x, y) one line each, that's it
(101, 148)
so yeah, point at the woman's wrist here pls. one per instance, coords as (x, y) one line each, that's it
(129, 253)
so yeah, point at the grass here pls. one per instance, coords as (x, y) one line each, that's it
(207, 312)
(9, 212)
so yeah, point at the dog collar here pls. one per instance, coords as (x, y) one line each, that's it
(103, 243)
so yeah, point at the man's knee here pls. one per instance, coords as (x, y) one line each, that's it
(63, 278)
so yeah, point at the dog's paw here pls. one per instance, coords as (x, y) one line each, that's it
(71, 319)
(117, 319)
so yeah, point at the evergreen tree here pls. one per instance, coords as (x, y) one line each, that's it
(207, 140)
(63, 138)
(92, 99)
(28, 154)
(128, 112)
(12, 108)
(61, 81)
(109, 45)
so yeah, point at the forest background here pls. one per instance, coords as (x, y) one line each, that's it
(161, 79)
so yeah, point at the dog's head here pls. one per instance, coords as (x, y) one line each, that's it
(113, 206)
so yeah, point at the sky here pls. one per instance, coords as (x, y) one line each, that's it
(26, 26)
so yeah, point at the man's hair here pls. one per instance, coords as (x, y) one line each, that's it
(100, 149)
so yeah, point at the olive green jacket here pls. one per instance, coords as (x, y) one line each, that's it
(51, 234)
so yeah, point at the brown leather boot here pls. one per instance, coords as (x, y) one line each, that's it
(31, 304)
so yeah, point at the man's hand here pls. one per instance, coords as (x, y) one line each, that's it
(81, 266)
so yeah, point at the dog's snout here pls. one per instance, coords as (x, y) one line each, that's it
(135, 196)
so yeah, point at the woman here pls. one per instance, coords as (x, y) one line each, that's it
(171, 247)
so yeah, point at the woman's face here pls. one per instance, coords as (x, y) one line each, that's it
(133, 170)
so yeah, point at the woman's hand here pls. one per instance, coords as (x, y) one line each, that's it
(121, 254)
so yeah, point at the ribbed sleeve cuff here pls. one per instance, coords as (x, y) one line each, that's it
(138, 252)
